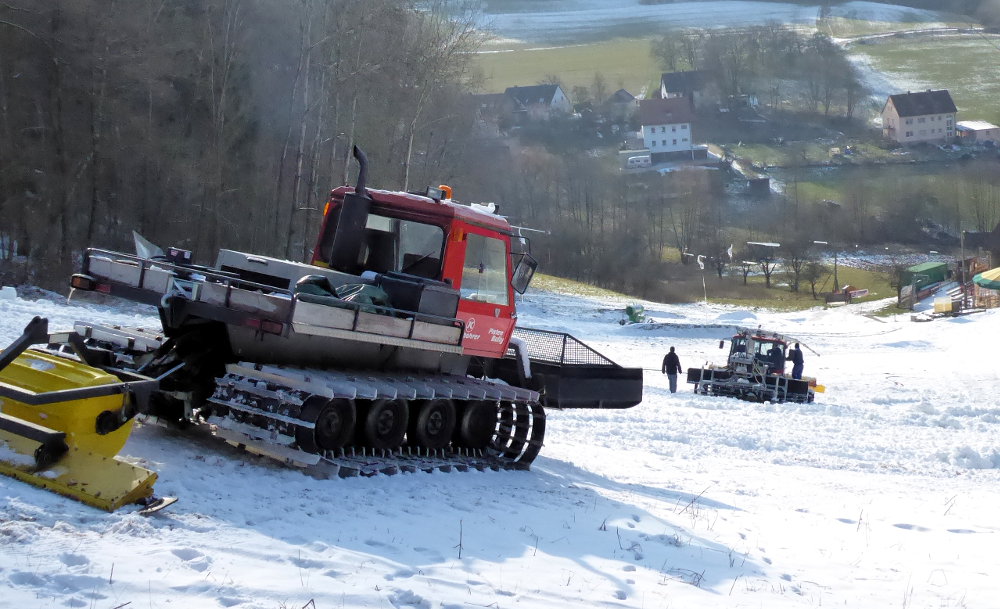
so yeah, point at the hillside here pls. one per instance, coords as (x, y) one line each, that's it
(881, 493)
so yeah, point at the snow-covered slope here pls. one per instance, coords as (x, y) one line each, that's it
(882, 493)
(551, 22)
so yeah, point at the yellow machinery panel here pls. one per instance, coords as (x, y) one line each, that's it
(40, 372)
(89, 469)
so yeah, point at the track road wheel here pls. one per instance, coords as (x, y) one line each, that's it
(385, 424)
(434, 424)
(334, 424)
(476, 425)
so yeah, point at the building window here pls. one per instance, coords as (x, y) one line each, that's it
(909, 121)
(684, 140)
(663, 129)
(921, 120)
(675, 142)
(654, 144)
(673, 128)
(909, 134)
(684, 126)
(664, 142)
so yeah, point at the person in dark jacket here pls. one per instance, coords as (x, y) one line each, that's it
(671, 367)
(795, 354)
(776, 359)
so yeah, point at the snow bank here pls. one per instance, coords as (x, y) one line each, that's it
(885, 488)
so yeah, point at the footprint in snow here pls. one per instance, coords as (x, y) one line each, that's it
(429, 553)
(73, 560)
(66, 582)
(407, 598)
(401, 574)
(377, 544)
(911, 527)
(23, 578)
(306, 563)
(193, 559)
(186, 553)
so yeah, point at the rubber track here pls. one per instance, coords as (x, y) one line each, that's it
(264, 401)
(750, 392)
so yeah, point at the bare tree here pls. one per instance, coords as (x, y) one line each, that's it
(667, 51)
(813, 273)
(796, 255)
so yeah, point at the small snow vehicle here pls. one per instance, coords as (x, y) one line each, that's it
(754, 371)
(64, 418)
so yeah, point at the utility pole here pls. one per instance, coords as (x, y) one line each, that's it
(836, 283)
(965, 295)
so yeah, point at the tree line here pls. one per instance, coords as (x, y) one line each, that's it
(224, 123)
(773, 62)
(213, 123)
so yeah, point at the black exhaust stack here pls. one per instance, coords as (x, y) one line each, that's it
(348, 236)
(362, 159)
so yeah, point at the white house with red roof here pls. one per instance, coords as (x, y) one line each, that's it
(666, 126)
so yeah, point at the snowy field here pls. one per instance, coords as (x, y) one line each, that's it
(882, 493)
(558, 22)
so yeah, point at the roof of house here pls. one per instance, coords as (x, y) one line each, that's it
(665, 111)
(975, 126)
(923, 102)
(927, 266)
(621, 96)
(534, 94)
(683, 82)
(491, 100)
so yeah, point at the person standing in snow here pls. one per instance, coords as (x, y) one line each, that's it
(795, 354)
(671, 367)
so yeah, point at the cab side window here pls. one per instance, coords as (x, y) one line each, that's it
(484, 277)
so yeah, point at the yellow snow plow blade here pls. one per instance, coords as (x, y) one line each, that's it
(62, 423)
(104, 482)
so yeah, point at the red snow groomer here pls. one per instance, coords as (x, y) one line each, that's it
(397, 340)
(754, 371)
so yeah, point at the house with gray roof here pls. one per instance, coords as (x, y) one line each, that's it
(621, 105)
(689, 85)
(538, 101)
(922, 116)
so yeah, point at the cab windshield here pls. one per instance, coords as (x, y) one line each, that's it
(405, 246)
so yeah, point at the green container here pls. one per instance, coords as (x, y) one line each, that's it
(925, 274)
